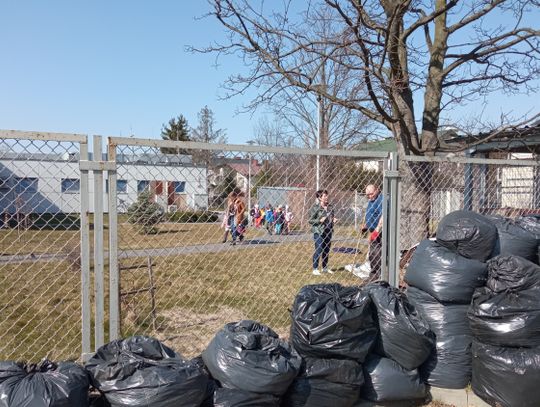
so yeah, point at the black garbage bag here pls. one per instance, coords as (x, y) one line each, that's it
(212, 385)
(449, 365)
(386, 380)
(404, 335)
(512, 273)
(47, 384)
(224, 397)
(468, 233)
(326, 382)
(515, 240)
(506, 377)
(141, 371)
(329, 320)
(250, 356)
(445, 274)
(532, 224)
(507, 318)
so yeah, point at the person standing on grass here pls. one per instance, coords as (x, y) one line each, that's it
(288, 219)
(269, 218)
(228, 216)
(239, 218)
(280, 220)
(321, 219)
(373, 225)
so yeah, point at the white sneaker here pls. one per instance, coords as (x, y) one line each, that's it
(316, 272)
(327, 270)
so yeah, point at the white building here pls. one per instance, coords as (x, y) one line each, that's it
(51, 183)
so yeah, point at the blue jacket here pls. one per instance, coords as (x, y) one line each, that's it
(374, 212)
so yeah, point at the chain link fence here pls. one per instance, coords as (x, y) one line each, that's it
(184, 277)
(40, 294)
(432, 188)
(180, 276)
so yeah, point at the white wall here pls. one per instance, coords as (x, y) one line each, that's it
(50, 198)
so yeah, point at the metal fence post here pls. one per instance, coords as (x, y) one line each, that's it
(114, 281)
(98, 248)
(85, 259)
(394, 231)
(386, 218)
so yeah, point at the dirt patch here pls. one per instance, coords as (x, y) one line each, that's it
(189, 333)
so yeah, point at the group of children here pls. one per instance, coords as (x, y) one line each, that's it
(276, 220)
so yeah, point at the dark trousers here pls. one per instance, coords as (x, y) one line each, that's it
(375, 252)
(322, 248)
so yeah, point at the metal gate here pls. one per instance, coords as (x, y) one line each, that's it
(178, 280)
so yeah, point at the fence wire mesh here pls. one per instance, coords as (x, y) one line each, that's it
(179, 280)
(431, 190)
(40, 293)
(185, 276)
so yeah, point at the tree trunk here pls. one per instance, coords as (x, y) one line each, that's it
(416, 190)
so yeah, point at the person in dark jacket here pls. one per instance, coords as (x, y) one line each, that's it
(322, 219)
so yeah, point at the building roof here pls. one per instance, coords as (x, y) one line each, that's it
(243, 168)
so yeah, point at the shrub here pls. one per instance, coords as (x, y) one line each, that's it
(192, 217)
(145, 213)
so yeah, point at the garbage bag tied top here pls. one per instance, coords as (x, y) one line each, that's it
(512, 273)
(326, 382)
(449, 365)
(329, 320)
(507, 377)
(444, 274)
(250, 356)
(404, 336)
(507, 311)
(48, 384)
(141, 371)
(515, 240)
(468, 233)
(386, 380)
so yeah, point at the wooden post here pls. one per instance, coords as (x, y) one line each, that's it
(152, 292)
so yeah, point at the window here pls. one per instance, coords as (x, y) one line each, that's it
(71, 185)
(142, 186)
(179, 187)
(4, 184)
(26, 185)
(121, 186)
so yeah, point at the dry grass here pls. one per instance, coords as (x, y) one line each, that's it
(195, 294)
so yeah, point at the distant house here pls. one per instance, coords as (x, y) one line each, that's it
(244, 172)
(51, 183)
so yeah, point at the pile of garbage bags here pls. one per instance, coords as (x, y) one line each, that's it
(442, 277)
(471, 309)
(333, 329)
(505, 321)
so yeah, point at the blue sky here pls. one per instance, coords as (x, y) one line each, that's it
(120, 68)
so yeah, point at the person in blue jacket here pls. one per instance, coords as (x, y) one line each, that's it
(373, 225)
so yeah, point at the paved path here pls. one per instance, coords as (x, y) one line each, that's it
(268, 240)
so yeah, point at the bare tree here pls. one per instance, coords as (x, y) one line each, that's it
(390, 54)
(387, 51)
(206, 128)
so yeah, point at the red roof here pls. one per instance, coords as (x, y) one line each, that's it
(244, 169)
